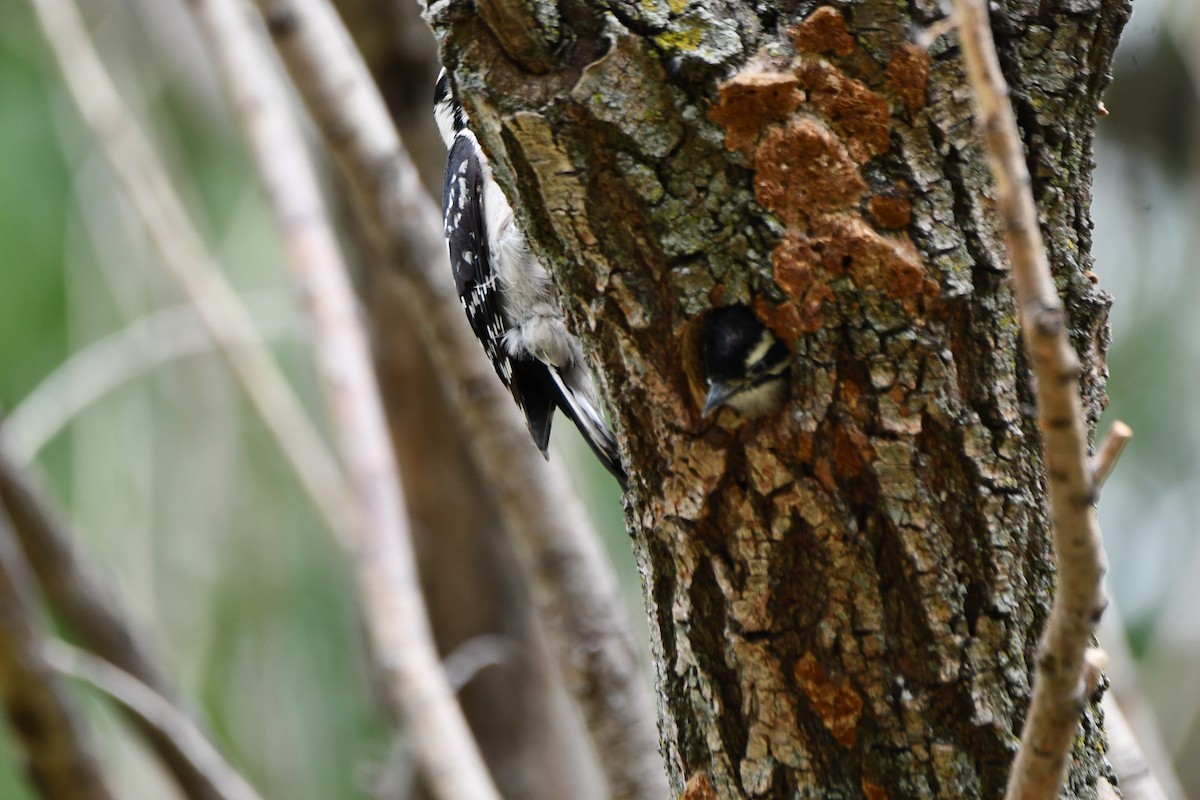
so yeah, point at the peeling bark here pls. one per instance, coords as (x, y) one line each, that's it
(845, 597)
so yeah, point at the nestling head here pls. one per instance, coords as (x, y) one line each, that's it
(745, 365)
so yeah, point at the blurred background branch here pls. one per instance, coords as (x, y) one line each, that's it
(185, 496)
(159, 718)
(382, 549)
(181, 250)
(42, 715)
(77, 596)
(148, 343)
(571, 581)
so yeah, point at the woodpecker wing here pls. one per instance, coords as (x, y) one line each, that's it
(478, 290)
(470, 260)
(537, 386)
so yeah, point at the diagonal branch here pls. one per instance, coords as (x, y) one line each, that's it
(383, 551)
(1140, 758)
(1135, 776)
(1110, 451)
(573, 585)
(1059, 688)
(153, 712)
(42, 713)
(181, 250)
(102, 366)
(79, 598)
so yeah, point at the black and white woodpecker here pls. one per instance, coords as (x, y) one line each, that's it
(745, 365)
(507, 294)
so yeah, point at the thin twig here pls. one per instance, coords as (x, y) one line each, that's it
(1135, 741)
(1134, 775)
(384, 559)
(180, 248)
(106, 364)
(573, 584)
(476, 654)
(41, 712)
(1110, 451)
(1058, 688)
(79, 598)
(154, 711)
(1095, 661)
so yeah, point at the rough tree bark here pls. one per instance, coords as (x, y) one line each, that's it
(845, 597)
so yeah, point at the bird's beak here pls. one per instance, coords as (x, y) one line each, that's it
(718, 393)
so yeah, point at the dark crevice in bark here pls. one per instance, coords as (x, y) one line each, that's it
(709, 602)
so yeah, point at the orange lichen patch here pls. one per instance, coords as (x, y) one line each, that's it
(851, 393)
(795, 261)
(874, 261)
(783, 319)
(823, 31)
(890, 211)
(698, 787)
(823, 472)
(749, 102)
(858, 114)
(851, 451)
(835, 701)
(873, 791)
(802, 170)
(804, 447)
(908, 73)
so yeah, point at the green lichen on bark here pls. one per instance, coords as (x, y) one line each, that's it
(845, 598)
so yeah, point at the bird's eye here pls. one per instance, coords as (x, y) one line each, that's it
(757, 368)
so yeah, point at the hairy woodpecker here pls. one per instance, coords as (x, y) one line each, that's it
(745, 365)
(507, 294)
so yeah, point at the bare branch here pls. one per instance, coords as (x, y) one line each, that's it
(1059, 690)
(42, 713)
(183, 253)
(337, 89)
(383, 553)
(80, 599)
(572, 583)
(1110, 450)
(155, 712)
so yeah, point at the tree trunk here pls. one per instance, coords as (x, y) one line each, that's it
(845, 596)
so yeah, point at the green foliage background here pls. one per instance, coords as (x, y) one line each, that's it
(181, 495)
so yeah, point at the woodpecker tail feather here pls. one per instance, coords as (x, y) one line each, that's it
(593, 427)
(535, 392)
